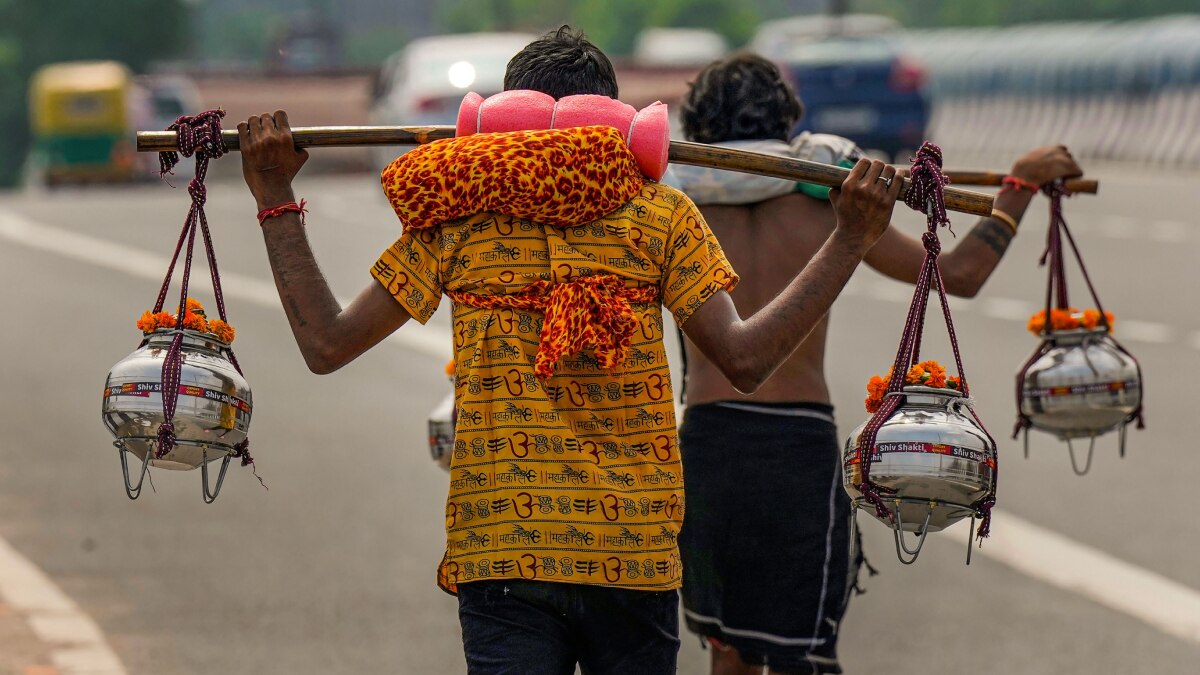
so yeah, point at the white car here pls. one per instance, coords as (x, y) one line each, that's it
(678, 48)
(425, 82)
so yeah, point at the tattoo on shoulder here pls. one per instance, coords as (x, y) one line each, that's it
(994, 233)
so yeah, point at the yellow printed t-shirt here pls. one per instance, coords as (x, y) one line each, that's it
(576, 478)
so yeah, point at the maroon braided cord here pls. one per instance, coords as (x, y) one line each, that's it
(924, 194)
(1056, 288)
(1023, 421)
(241, 450)
(927, 183)
(173, 361)
(200, 136)
(1137, 414)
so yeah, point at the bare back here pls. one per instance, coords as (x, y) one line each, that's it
(768, 243)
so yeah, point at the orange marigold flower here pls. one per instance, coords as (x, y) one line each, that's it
(151, 322)
(194, 306)
(876, 386)
(1067, 319)
(934, 374)
(450, 368)
(222, 330)
(927, 373)
(1037, 323)
(1064, 319)
(872, 404)
(146, 324)
(915, 375)
(194, 321)
(1091, 319)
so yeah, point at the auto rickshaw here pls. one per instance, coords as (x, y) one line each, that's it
(83, 116)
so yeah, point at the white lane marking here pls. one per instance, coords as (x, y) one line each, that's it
(1118, 227)
(1006, 309)
(76, 644)
(1047, 556)
(1144, 331)
(1170, 231)
(1009, 309)
(1125, 228)
(429, 340)
(1039, 553)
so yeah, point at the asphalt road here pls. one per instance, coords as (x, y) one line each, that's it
(331, 570)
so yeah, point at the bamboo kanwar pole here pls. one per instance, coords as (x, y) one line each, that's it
(1078, 185)
(680, 152)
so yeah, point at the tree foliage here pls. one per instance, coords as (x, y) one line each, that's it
(33, 34)
(612, 24)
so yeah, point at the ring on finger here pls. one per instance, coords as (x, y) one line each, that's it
(887, 182)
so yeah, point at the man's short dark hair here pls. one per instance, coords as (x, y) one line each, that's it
(561, 63)
(742, 97)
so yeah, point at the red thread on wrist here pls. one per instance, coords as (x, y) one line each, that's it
(1014, 183)
(290, 207)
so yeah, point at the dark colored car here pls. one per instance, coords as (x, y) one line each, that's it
(861, 87)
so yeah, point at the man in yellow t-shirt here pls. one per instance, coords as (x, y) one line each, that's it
(574, 477)
(566, 491)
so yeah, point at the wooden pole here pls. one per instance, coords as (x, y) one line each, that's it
(1080, 185)
(680, 152)
(804, 171)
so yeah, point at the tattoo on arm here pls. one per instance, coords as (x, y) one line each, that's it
(994, 233)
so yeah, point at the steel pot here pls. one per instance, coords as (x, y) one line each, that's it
(1083, 386)
(934, 462)
(212, 414)
(441, 431)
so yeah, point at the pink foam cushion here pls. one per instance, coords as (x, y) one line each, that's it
(647, 132)
(649, 138)
(584, 109)
(468, 115)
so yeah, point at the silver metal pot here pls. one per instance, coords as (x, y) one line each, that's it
(212, 414)
(1083, 386)
(934, 463)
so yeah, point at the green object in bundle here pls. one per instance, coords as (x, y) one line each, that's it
(820, 191)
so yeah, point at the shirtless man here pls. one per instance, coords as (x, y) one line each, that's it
(767, 559)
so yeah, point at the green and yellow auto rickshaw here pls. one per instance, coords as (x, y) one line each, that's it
(84, 115)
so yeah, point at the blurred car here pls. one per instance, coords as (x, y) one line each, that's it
(171, 96)
(309, 42)
(775, 37)
(678, 47)
(857, 83)
(425, 82)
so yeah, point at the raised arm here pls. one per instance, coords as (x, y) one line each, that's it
(329, 336)
(748, 351)
(975, 256)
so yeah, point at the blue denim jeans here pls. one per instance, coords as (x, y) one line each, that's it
(517, 627)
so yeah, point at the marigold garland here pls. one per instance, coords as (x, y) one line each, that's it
(1068, 319)
(925, 374)
(193, 319)
(224, 332)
